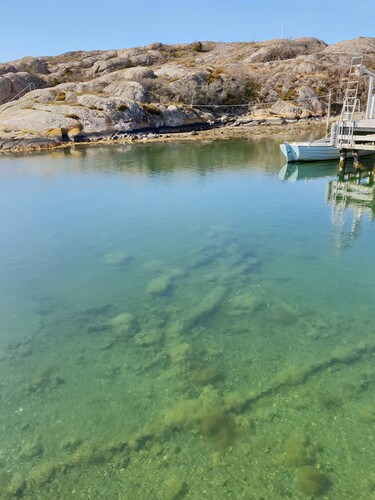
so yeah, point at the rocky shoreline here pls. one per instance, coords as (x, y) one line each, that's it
(198, 132)
(165, 92)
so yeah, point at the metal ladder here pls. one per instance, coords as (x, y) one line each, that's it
(346, 123)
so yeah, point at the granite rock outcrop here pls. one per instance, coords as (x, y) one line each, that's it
(85, 95)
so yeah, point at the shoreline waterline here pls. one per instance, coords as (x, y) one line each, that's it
(248, 131)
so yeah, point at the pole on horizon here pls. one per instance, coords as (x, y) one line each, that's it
(282, 27)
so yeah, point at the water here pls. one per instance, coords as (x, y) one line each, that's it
(182, 321)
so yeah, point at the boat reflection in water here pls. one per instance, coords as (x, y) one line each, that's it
(351, 197)
(297, 171)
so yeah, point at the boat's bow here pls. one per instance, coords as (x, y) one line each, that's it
(290, 151)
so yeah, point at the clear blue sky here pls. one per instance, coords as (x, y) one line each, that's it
(45, 27)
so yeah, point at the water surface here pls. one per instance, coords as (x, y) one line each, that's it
(182, 321)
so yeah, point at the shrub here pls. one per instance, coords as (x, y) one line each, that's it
(152, 109)
(290, 94)
(61, 96)
(121, 107)
(197, 46)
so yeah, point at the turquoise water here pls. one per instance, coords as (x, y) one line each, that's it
(185, 321)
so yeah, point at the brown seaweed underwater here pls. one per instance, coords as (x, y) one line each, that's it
(185, 358)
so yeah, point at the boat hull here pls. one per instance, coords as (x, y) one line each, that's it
(313, 151)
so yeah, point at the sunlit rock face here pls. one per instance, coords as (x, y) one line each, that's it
(112, 91)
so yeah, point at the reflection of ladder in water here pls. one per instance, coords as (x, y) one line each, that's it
(346, 123)
(349, 200)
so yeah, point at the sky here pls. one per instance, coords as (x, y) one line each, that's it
(45, 27)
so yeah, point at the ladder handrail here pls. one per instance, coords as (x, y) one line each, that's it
(350, 104)
(351, 101)
(29, 87)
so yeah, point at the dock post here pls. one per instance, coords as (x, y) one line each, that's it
(371, 177)
(342, 161)
(356, 161)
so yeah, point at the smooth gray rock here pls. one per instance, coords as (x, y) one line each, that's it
(106, 93)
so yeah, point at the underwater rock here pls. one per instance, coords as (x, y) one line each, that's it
(175, 329)
(310, 481)
(173, 488)
(297, 451)
(203, 416)
(344, 354)
(329, 401)
(367, 414)
(112, 372)
(16, 486)
(159, 359)
(70, 444)
(5, 478)
(108, 343)
(244, 303)
(212, 420)
(179, 353)
(23, 351)
(142, 441)
(160, 285)
(175, 273)
(147, 338)
(205, 256)
(20, 348)
(208, 375)
(207, 306)
(88, 454)
(117, 258)
(282, 314)
(244, 259)
(251, 266)
(42, 474)
(97, 310)
(233, 401)
(123, 324)
(30, 450)
(43, 380)
(220, 427)
(211, 277)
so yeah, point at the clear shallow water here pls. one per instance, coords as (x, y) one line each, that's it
(177, 321)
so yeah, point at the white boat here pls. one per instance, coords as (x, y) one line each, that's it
(322, 149)
(310, 150)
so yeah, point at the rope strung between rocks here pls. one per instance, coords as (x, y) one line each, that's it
(264, 103)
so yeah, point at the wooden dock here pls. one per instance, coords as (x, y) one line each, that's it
(355, 130)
